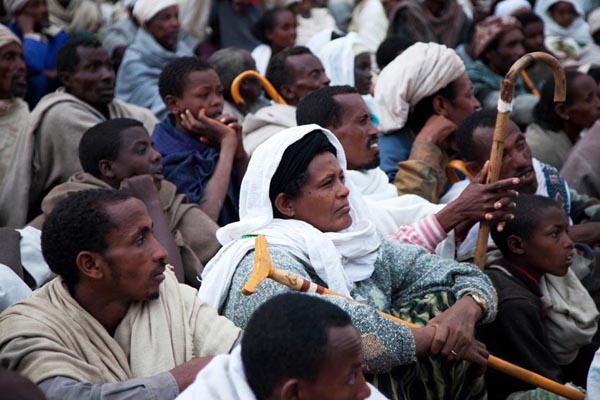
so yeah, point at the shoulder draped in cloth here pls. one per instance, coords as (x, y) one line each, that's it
(79, 16)
(193, 230)
(50, 334)
(47, 154)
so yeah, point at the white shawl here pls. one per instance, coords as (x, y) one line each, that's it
(338, 258)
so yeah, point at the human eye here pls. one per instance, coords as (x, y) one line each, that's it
(342, 178)
(140, 240)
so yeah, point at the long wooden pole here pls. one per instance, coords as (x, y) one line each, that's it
(263, 269)
(507, 91)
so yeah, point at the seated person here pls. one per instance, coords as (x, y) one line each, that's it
(201, 147)
(76, 17)
(114, 322)
(47, 154)
(294, 73)
(14, 114)
(276, 29)
(342, 110)
(420, 97)
(229, 63)
(582, 166)
(283, 357)
(535, 243)
(312, 17)
(119, 35)
(156, 43)
(564, 23)
(118, 154)
(533, 31)
(497, 45)
(41, 42)
(558, 126)
(294, 194)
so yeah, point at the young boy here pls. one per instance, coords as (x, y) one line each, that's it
(201, 148)
(534, 243)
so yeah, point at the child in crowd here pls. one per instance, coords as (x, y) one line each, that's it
(536, 242)
(201, 148)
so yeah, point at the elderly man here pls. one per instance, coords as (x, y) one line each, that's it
(283, 357)
(41, 43)
(497, 45)
(115, 322)
(47, 154)
(14, 112)
(294, 73)
(420, 97)
(342, 110)
(154, 46)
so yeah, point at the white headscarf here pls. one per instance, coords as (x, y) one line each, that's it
(144, 10)
(337, 57)
(578, 30)
(506, 7)
(420, 71)
(338, 258)
(7, 36)
(12, 6)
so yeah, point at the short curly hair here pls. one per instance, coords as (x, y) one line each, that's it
(78, 223)
(173, 78)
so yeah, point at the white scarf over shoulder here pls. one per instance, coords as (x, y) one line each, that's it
(338, 258)
(420, 71)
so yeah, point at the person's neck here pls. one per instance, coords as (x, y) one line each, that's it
(572, 132)
(107, 310)
(521, 264)
(103, 109)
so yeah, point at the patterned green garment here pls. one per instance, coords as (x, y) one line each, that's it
(408, 282)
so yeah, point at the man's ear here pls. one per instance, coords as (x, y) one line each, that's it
(562, 110)
(290, 390)
(287, 93)
(106, 169)
(173, 104)
(89, 264)
(516, 245)
(284, 205)
(65, 78)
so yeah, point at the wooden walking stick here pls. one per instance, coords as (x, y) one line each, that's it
(235, 87)
(507, 91)
(263, 269)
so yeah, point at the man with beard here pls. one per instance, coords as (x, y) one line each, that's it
(114, 323)
(342, 110)
(14, 112)
(46, 154)
(41, 43)
(155, 45)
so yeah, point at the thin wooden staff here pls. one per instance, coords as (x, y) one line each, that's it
(507, 91)
(235, 87)
(263, 269)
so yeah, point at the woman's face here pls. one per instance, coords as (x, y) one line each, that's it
(584, 109)
(362, 73)
(323, 200)
(283, 35)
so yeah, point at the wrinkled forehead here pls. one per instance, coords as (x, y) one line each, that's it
(483, 138)
(89, 55)
(302, 64)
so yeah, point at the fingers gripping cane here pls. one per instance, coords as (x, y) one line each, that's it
(507, 91)
(263, 269)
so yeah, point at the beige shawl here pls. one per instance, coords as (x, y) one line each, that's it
(50, 334)
(14, 115)
(193, 230)
(78, 16)
(47, 154)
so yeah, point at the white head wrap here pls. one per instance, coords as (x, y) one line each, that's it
(337, 57)
(6, 36)
(594, 21)
(144, 10)
(420, 71)
(338, 258)
(12, 6)
(506, 7)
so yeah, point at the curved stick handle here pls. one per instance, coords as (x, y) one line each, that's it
(507, 91)
(235, 87)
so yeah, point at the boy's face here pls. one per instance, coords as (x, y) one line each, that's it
(549, 250)
(563, 13)
(202, 90)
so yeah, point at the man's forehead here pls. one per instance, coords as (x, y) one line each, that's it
(350, 104)
(130, 215)
(88, 55)
(11, 47)
(301, 62)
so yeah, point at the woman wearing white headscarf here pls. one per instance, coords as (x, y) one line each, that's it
(420, 98)
(294, 194)
(347, 61)
(557, 27)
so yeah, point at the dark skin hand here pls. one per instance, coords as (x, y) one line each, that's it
(588, 233)
(479, 201)
(437, 130)
(185, 374)
(145, 188)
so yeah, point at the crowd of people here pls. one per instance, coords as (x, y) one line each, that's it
(139, 173)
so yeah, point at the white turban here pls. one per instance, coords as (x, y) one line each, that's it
(6, 36)
(145, 10)
(420, 71)
(506, 7)
(12, 6)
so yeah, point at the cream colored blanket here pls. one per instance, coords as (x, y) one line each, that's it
(47, 154)
(50, 334)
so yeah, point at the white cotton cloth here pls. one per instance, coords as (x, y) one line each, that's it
(224, 379)
(144, 10)
(338, 258)
(7, 36)
(337, 58)
(262, 55)
(319, 40)
(572, 319)
(420, 71)
(12, 6)
(506, 7)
